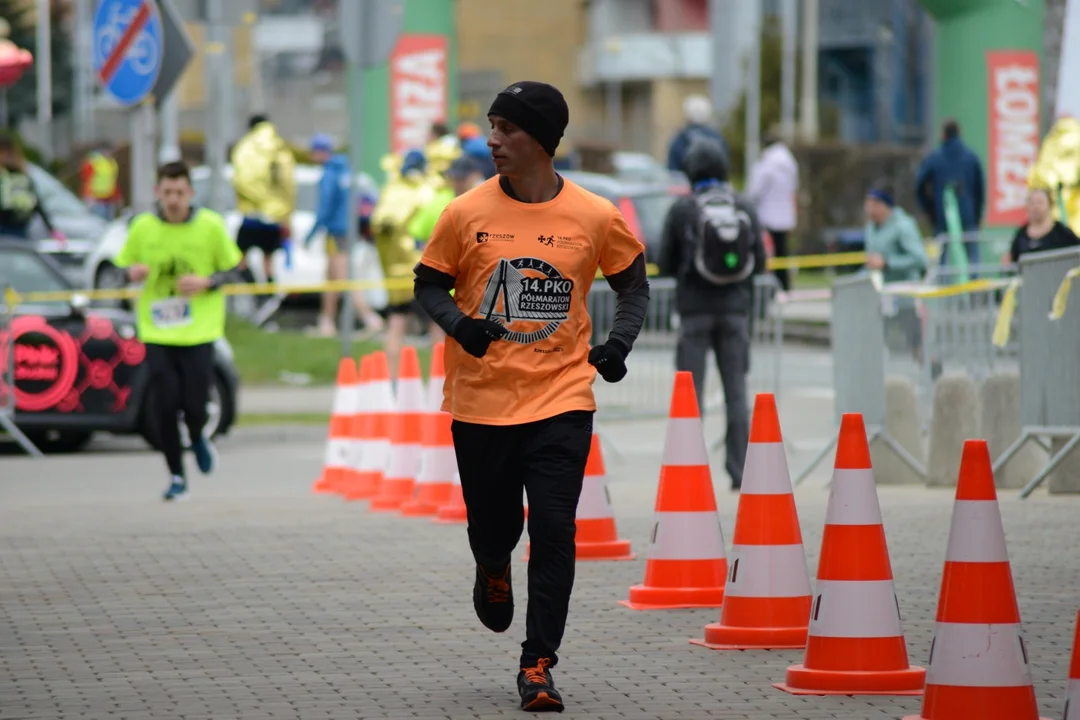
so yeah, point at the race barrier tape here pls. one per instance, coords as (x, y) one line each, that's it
(1061, 297)
(132, 293)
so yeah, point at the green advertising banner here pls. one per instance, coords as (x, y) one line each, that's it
(989, 63)
(415, 88)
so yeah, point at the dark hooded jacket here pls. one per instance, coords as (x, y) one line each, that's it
(954, 163)
(706, 164)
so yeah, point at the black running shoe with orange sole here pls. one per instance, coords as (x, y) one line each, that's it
(537, 689)
(493, 598)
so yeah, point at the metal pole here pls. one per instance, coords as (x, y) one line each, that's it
(170, 129)
(724, 80)
(212, 110)
(789, 19)
(753, 85)
(83, 66)
(43, 65)
(614, 113)
(810, 70)
(142, 156)
(356, 14)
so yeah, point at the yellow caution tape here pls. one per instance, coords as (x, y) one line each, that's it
(828, 260)
(132, 293)
(927, 293)
(1003, 326)
(1061, 297)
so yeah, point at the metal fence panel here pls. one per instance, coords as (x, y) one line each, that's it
(646, 390)
(1049, 351)
(858, 328)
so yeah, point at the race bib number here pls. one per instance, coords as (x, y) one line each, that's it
(174, 312)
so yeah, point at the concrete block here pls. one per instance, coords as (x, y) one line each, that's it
(955, 419)
(1065, 480)
(999, 412)
(902, 423)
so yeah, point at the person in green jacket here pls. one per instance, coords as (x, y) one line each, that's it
(463, 175)
(894, 247)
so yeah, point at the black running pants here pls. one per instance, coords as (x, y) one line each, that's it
(180, 378)
(546, 458)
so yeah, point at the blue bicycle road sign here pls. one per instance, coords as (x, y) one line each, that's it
(129, 75)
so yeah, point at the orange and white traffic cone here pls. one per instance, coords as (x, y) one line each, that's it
(597, 537)
(1072, 690)
(378, 399)
(339, 442)
(438, 463)
(686, 566)
(979, 665)
(855, 644)
(358, 428)
(767, 606)
(453, 511)
(405, 448)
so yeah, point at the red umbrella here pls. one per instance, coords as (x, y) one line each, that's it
(14, 61)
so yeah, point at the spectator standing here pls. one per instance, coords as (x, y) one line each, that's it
(100, 175)
(953, 165)
(19, 200)
(712, 245)
(894, 247)
(1041, 232)
(263, 179)
(697, 111)
(773, 190)
(333, 216)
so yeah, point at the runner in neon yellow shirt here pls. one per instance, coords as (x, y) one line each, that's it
(184, 254)
(464, 174)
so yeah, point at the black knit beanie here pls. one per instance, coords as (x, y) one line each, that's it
(537, 108)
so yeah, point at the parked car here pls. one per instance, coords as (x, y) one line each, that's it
(82, 229)
(79, 371)
(308, 265)
(644, 168)
(644, 205)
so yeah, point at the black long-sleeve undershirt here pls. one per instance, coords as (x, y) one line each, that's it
(432, 289)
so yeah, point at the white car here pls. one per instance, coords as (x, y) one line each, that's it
(308, 265)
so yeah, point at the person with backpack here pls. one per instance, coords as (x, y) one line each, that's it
(19, 200)
(712, 245)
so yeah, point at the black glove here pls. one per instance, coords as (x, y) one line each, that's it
(609, 360)
(475, 334)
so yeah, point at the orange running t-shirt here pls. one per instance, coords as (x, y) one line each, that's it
(528, 266)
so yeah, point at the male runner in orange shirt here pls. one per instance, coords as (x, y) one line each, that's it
(520, 253)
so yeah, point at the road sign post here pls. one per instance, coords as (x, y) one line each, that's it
(128, 49)
(371, 29)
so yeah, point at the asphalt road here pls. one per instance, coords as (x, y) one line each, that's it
(258, 599)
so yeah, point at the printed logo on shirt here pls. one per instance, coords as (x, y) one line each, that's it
(560, 242)
(483, 237)
(529, 296)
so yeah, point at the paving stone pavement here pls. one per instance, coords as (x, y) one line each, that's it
(257, 599)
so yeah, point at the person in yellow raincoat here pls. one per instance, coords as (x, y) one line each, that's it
(1058, 170)
(405, 193)
(265, 185)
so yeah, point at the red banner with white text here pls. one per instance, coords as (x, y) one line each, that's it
(419, 89)
(1013, 133)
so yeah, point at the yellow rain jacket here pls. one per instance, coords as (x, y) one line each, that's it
(1058, 164)
(264, 175)
(400, 199)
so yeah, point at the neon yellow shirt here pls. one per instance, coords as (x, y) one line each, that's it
(201, 246)
(423, 222)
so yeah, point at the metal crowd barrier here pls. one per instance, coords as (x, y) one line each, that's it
(646, 390)
(933, 330)
(859, 365)
(7, 372)
(1049, 359)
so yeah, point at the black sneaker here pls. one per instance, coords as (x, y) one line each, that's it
(493, 598)
(537, 689)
